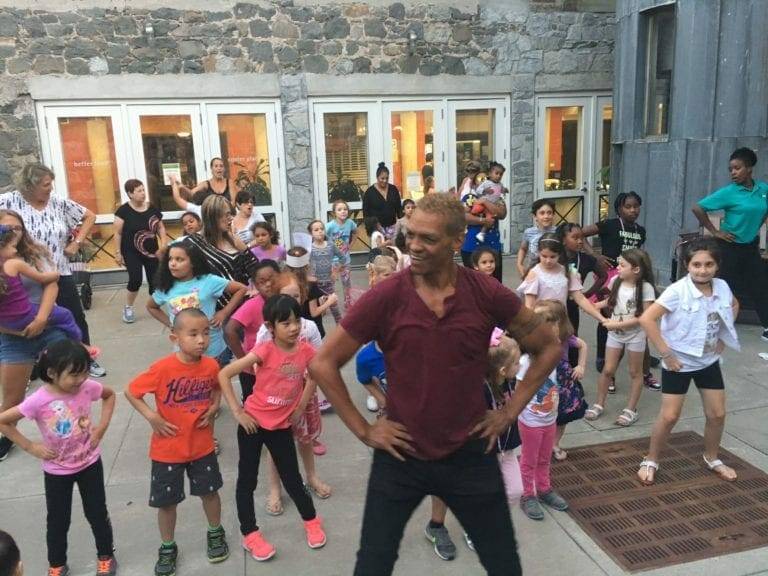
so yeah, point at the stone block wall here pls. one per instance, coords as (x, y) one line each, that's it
(518, 38)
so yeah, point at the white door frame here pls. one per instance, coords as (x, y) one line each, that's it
(600, 103)
(439, 133)
(274, 142)
(317, 134)
(53, 152)
(134, 113)
(501, 135)
(589, 130)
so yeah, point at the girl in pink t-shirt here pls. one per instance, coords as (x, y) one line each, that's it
(69, 448)
(550, 279)
(277, 403)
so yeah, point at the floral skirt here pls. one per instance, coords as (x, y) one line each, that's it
(572, 404)
(308, 429)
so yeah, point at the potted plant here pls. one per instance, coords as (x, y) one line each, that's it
(344, 189)
(253, 181)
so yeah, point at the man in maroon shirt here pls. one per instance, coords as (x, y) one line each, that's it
(433, 323)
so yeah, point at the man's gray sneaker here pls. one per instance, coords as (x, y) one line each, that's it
(554, 501)
(444, 546)
(531, 507)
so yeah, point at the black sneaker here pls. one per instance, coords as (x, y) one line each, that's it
(5, 447)
(444, 546)
(765, 334)
(218, 550)
(166, 560)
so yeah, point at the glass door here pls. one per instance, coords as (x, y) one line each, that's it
(476, 132)
(167, 141)
(245, 137)
(416, 154)
(563, 155)
(348, 149)
(87, 150)
(602, 188)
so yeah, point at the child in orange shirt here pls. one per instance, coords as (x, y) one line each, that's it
(187, 397)
(277, 403)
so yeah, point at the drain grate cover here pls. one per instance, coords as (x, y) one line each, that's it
(689, 514)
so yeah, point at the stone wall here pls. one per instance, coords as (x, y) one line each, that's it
(525, 40)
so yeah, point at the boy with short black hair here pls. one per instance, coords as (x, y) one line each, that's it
(187, 396)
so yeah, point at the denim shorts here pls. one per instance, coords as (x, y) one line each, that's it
(18, 350)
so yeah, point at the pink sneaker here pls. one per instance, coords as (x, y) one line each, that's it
(318, 448)
(315, 532)
(259, 548)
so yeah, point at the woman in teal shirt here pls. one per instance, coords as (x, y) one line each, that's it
(745, 205)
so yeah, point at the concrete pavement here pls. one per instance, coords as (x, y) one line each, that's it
(548, 547)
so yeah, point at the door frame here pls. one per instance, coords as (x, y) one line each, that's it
(271, 110)
(588, 148)
(53, 156)
(379, 136)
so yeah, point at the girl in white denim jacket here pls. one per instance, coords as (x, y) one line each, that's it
(697, 321)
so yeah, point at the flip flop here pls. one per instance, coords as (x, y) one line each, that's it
(648, 465)
(274, 507)
(718, 467)
(323, 495)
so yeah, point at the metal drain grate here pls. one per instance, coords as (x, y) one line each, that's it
(689, 514)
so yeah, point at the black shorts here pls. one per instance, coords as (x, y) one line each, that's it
(167, 485)
(709, 378)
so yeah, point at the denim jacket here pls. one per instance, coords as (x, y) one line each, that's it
(685, 328)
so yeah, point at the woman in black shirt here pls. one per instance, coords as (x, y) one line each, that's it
(139, 234)
(382, 200)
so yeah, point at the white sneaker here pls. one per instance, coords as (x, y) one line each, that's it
(371, 404)
(129, 315)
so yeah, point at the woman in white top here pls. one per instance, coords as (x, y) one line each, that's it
(697, 321)
(245, 217)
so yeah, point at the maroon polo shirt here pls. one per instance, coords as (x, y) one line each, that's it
(435, 366)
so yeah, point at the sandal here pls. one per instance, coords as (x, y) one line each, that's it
(559, 454)
(627, 417)
(724, 472)
(650, 477)
(612, 386)
(594, 412)
(274, 506)
(319, 489)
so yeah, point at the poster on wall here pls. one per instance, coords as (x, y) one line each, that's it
(171, 170)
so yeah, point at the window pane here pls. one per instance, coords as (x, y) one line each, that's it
(661, 52)
(412, 149)
(168, 147)
(245, 152)
(474, 139)
(346, 155)
(562, 154)
(88, 147)
(569, 210)
(98, 250)
(604, 173)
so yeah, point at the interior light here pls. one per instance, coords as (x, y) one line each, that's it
(183, 134)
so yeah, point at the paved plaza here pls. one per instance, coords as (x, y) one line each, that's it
(555, 546)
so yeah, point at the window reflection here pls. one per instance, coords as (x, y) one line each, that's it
(88, 148)
(474, 139)
(346, 155)
(562, 153)
(660, 60)
(245, 151)
(168, 150)
(412, 151)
